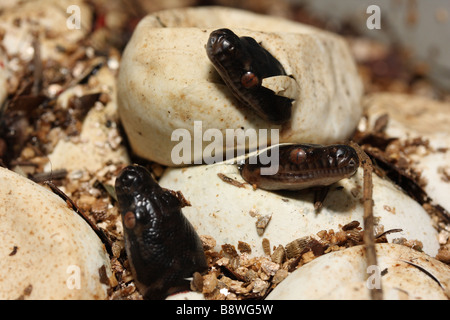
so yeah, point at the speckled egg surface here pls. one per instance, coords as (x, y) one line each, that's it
(229, 212)
(402, 273)
(47, 251)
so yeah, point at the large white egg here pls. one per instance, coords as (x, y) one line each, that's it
(401, 273)
(48, 251)
(229, 213)
(166, 82)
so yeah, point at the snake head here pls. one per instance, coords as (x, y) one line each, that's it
(302, 166)
(223, 45)
(243, 63)
(161, 244)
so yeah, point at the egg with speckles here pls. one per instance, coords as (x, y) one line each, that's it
(237, 206)
(48, 251)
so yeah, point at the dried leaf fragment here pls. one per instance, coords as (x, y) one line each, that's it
(278, 255)
(244, 247)
(297, 247)
(261, 224)
(352, 225)
(231, 181)
(208, 242)
(230, 250)
(209, 283)
(279, 276)
(266, 246)
(197, 282)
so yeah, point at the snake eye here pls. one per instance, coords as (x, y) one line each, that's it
(298, 156)
(129, 220)
(249, 80)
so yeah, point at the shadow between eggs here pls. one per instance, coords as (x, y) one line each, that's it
(339, 199)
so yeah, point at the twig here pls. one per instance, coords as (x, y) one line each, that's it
(37, 72)
(368, 220)
(44, 176)
(103, 237)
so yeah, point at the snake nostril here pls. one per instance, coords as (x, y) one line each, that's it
(352, 163)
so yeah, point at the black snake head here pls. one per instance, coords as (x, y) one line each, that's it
(161, 244)
(242, 64)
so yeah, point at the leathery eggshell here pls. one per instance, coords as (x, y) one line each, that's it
(404, 272)
(47, 251)
(166, 81)
(229, 213)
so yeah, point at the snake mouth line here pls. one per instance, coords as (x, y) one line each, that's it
(315, 174)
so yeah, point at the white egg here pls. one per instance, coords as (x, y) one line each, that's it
(427, 121)
(48, 251)
(229, 213)
(166, 82)
(401, 273)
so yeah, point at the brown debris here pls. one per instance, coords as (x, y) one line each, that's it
(368, 218)
(208, 242)
(261, 224)
(352, 225)
(244, 247)
(266, 246)
(197, 282)
(229, 250)
(444, 254)
(413, 244)
(26, 292)
(297, 247)
(13, 251)
(278, 255)
(103, 276)
(231, 181)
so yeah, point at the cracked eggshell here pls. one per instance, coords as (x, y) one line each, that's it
(166, 81)
(413, 117)
(229, 213)
(47, 251)
(405, 274)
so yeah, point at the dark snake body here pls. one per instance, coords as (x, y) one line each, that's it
(242, 64)
(303, 166)
(161, 244)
